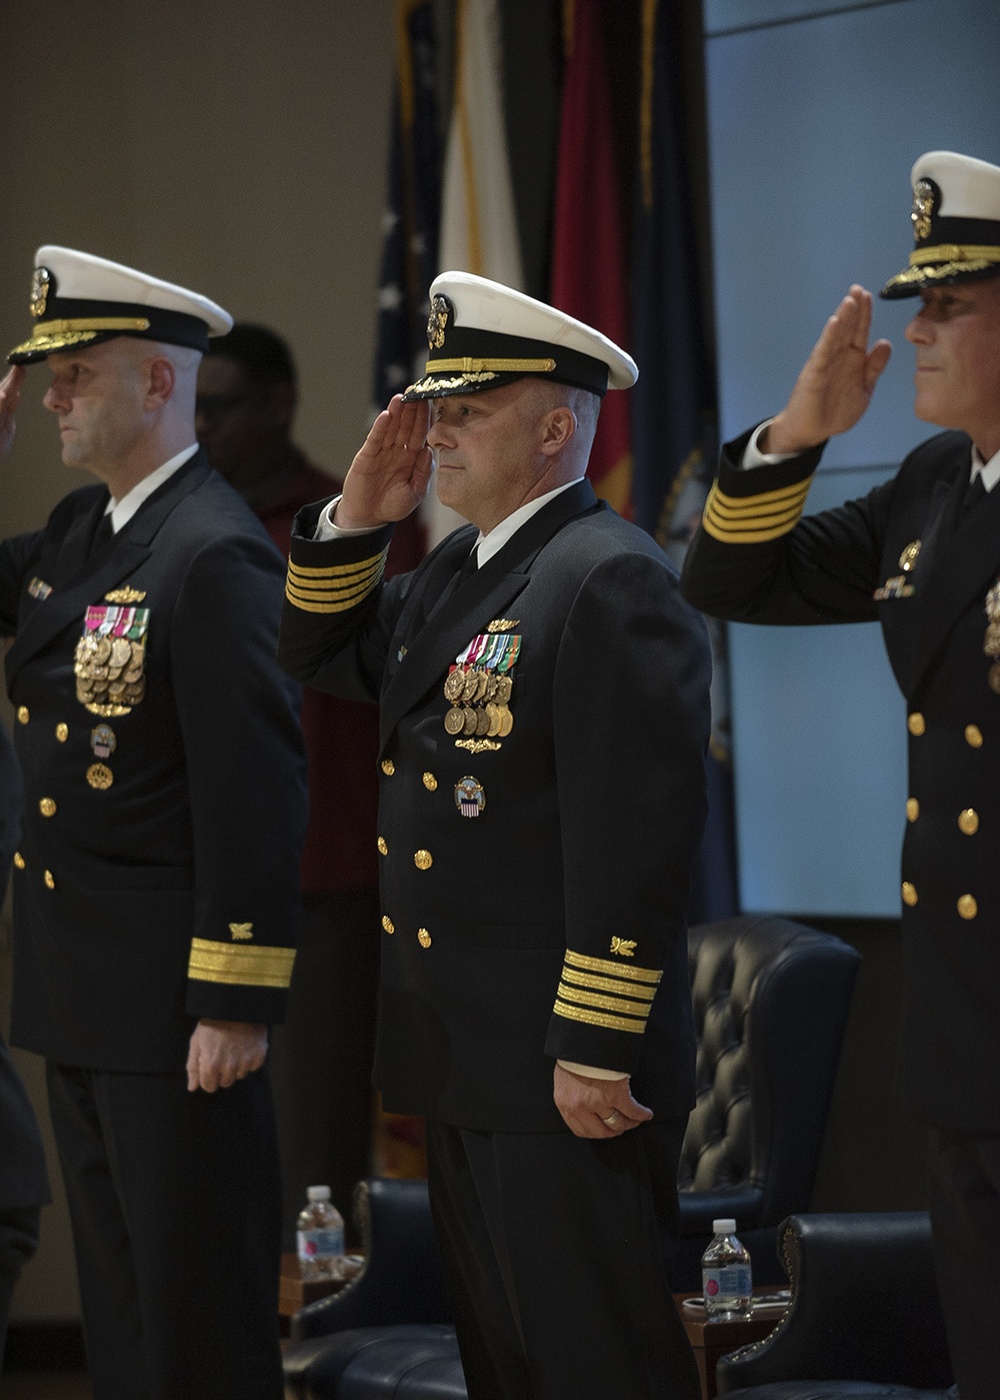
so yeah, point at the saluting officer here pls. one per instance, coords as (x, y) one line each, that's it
(155, 885)
(544, 709)
(921, 554)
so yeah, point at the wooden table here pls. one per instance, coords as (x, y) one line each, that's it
(711, 1338)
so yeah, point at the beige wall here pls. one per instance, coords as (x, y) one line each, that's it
(234, 146)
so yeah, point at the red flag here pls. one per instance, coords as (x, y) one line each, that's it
(588, 258)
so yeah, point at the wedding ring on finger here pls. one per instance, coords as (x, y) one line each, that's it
(611, 1119)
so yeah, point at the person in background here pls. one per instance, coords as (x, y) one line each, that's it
(921, 555)
(545, 714)
(321, 1057)
(156, 880)
(24, 1183)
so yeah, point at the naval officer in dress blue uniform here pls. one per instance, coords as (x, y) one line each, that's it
(920, 554)
(155, 883)
(544, 717)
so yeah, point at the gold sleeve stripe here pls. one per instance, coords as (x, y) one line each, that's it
(243, 964)
(619, 1004)
(613, 969)
(333, 590)
(359, 569)
(754, 519)
(598, 1018)
(608, 984)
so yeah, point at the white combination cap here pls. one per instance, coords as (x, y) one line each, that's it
(482, 335)
(80, 299)
(956, 223)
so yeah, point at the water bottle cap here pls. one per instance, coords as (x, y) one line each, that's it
(317, 1193)
(724, 1227)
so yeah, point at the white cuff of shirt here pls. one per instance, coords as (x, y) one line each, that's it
(327, 530)
(753, 457)
(591, 1071)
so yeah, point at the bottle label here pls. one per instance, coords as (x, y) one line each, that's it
(320, 1244)
(733, 1281)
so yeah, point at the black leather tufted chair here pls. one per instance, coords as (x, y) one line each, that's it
(770, 1004)
(864, 1321)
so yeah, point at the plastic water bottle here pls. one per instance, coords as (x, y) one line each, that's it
(320, 1235)
(725, 1274)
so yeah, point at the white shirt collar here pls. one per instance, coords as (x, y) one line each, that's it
(122, 511)
(488, 545)
(990, 470)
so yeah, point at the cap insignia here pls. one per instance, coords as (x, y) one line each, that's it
(437, 321)
(41, 284)
(924, 197)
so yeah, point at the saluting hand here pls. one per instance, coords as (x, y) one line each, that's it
(10, 395)
(587, 1104)
(222, 1052)
(836, 383)
(389, 477)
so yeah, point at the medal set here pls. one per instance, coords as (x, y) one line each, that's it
(991, 642)
(479, 687)
(110, 659)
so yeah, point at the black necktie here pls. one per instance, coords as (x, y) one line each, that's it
(102, 534)
(471, 565)
(974, 493)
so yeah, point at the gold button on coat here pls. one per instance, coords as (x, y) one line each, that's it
(912, 809)
(62, 732)
(23, 714)
(973, 736)
(47, 807)
(423, 860)
(50, 880)
(909, 894)
(388, 767)
(967, 907)
(382, 846)
(915, 723)
(430, 782)
(423, 938)
(968, 821)
(387, 924)
(19, 860)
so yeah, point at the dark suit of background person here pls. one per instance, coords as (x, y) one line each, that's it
(321, 1057)
(535, 856)
(24, 1185)
(911, 555)
(155, 886)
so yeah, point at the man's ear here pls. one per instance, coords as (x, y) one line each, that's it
(161, 380)
(558, 427)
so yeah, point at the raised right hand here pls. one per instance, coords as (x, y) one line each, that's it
(390, 475)
(10, 395)
(836, 383)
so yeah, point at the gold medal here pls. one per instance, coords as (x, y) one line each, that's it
(468, 720)
(994, 677)
(482, 723)
(454, 721)
(103, 650)
(504, 688)
(121, 652)
(454, 684)
(506, 721)
(493, 717)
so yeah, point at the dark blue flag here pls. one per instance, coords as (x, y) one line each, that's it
(413, 205)
(673, 404)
